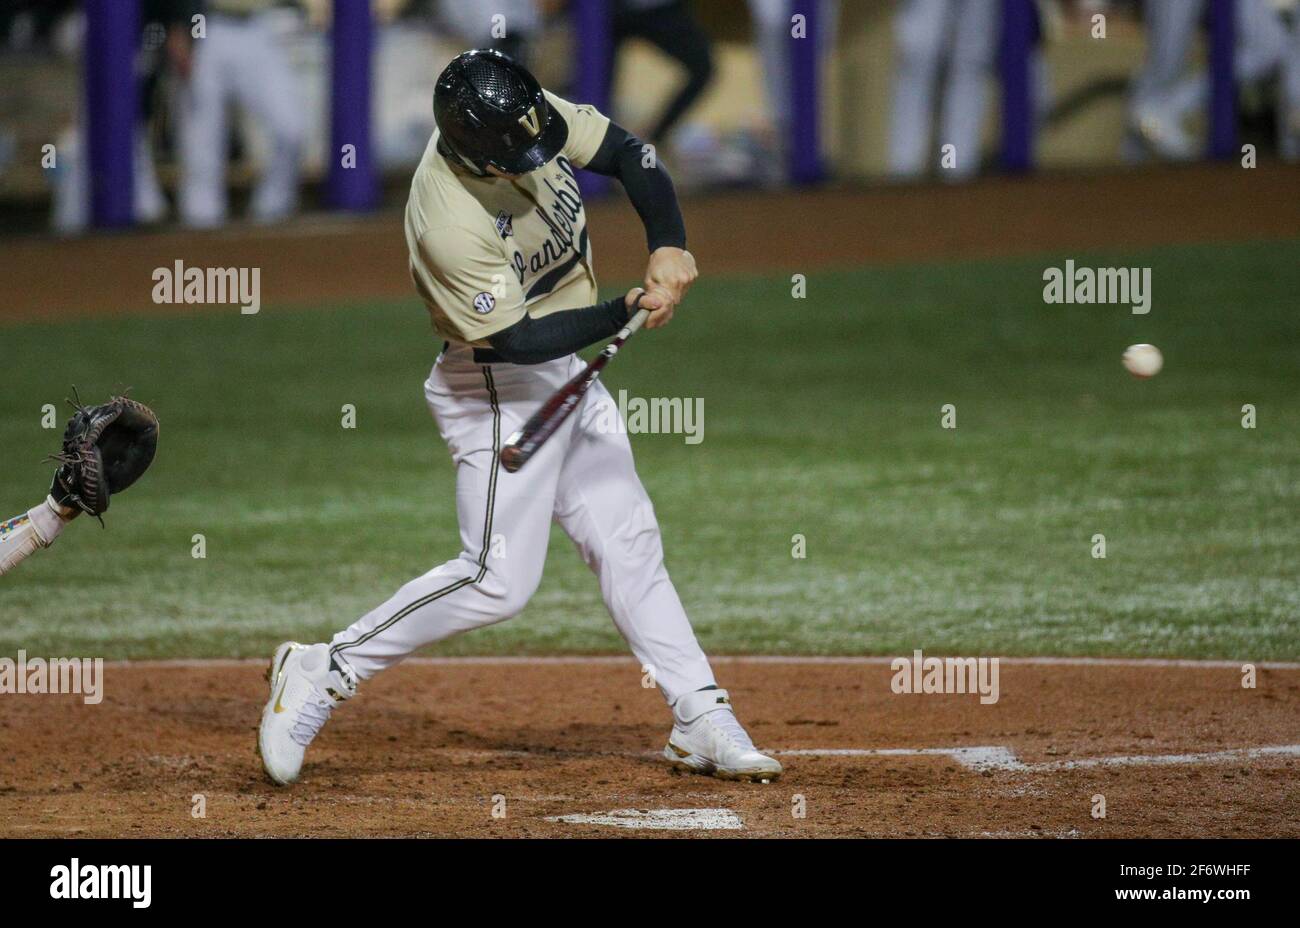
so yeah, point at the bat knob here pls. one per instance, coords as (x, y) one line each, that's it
(512, 458)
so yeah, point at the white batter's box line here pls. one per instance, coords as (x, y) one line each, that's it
(1208, 757)
(991, 758)
(661, 819)
(618, 660)
(978, 758)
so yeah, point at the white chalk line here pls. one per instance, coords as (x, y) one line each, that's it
(615, 660)
(982, 758)
(977, 758)
(662, 819)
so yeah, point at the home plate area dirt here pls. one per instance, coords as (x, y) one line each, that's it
(570, 747)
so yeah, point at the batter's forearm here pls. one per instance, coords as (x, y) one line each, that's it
(533, 341)
(647, 184)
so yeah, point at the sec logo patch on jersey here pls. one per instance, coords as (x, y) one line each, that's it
(505, 225)
(484, 303)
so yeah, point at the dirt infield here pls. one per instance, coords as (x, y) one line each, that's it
(1177, 749)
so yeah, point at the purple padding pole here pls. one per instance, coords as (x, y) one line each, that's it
(805, 143)
(352, 182)
(112, 108)
(593, 30)
(1017, 100)
(1223, 87)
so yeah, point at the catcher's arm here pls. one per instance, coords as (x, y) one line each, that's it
(105, 449)
(37, 528)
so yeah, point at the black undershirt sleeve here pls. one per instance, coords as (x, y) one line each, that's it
(532, 341)
(650, 189)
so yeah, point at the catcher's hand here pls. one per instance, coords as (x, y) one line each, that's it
(105, 450)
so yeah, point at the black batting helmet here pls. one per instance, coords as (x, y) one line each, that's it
(491, 111)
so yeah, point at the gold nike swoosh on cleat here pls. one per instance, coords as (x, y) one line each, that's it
(678, 751)
(277, 707)
(273, 669)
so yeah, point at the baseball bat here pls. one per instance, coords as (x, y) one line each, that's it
(544, 423)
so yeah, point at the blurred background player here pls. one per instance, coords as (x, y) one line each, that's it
(250, 97)
(509, 26)
(1165, 95)
(241, 60)
(165, 46)
(945, 49)
(670, 27)
(771, 26)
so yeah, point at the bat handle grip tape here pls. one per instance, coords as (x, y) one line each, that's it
(637, 320)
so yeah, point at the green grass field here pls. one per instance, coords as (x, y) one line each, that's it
(822, 418)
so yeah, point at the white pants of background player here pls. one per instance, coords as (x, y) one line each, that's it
(771, 19)
(583, 478)
(240, 60)
(953, 41)
(1165, 92)
(70, 204)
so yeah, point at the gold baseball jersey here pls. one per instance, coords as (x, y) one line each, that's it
(485, 250)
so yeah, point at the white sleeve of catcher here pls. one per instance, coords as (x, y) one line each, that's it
(21, 535)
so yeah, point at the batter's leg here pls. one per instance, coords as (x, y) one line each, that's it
(504, 518)
(504, 528)
(602, 506)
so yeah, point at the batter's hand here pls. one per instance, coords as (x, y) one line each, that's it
(669, 275)
(661, 310)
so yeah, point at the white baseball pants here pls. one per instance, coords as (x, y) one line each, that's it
(583, 478)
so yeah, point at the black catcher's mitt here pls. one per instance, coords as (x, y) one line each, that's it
(105, 450)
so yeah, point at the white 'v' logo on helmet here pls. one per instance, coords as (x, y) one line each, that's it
(530, 121)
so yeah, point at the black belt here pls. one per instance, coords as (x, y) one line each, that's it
(481, 355)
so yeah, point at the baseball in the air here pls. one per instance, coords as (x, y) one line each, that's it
(1143, 360)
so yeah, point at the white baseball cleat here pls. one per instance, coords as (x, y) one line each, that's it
(304, 690)
(707, 738)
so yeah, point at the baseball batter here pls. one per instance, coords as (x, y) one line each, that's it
(501, 256)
